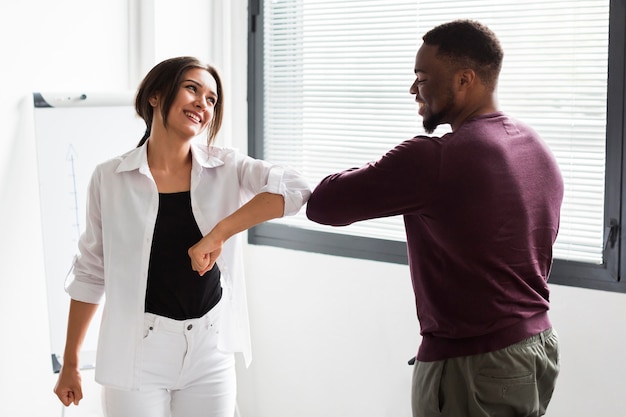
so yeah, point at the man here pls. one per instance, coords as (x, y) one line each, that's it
(481, 207)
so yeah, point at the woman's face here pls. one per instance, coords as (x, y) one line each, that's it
(192, 110)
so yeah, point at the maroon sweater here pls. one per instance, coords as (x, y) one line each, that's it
(481, 211)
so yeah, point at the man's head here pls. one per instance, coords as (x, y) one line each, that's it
(468, 44)
(457, 70)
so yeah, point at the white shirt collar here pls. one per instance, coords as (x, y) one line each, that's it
(203, 157)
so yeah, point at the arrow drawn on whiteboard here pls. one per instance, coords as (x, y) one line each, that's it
(71, 158)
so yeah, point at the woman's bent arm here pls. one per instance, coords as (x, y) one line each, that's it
(262, 207)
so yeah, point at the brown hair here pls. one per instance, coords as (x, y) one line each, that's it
(165, 79)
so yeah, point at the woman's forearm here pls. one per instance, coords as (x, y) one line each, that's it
(80, 316)
(261, 208)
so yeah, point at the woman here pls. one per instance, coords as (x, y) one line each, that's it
(161, 242)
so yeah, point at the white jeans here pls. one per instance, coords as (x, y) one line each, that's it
(183, 373)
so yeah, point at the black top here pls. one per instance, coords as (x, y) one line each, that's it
(174, 289)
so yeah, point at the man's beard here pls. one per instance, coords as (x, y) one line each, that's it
(430, 121)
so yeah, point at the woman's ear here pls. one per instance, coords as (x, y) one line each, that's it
(154, 100)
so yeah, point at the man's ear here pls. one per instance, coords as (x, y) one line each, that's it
(465, 78)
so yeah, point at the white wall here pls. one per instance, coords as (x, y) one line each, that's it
(331, 336)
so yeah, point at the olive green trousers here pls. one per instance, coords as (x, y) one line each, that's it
(517, 381)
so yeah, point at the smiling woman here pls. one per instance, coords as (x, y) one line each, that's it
(174, 121)
(162, 245)
(161, 86)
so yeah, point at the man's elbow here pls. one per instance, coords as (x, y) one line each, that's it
(315, 215)
(326, 214)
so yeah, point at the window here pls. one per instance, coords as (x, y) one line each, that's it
(328, 90)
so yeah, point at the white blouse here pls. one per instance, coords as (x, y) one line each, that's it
(114, 250)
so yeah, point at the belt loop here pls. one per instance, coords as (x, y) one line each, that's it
(542, 336)
(155, 323)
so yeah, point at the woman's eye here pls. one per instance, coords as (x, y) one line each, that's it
(192, 87)
(211, 100)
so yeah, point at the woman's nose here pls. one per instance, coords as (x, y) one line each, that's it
(201, 103)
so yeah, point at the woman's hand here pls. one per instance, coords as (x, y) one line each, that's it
(68, 387)
(204, 253)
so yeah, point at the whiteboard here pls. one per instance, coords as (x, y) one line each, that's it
(73, 133)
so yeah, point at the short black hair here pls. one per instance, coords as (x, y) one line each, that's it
(470, 44)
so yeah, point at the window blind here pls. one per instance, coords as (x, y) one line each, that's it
(336, 92)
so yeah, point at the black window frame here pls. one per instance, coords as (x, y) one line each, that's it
(607, 276)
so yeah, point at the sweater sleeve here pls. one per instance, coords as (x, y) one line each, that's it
(400, 182)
